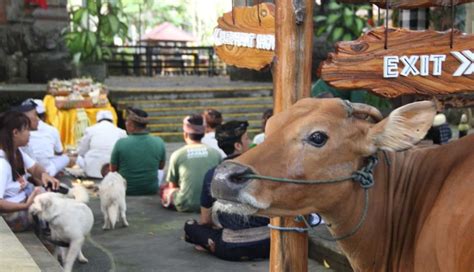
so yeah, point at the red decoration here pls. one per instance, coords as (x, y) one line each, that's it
(41, 3)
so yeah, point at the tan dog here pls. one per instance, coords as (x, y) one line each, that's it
(112, 199)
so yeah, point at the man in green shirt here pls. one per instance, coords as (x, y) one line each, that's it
(187, 168)
(139, 156)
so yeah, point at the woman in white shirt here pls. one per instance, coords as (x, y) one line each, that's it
(16, 193)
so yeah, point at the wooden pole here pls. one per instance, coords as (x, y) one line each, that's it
(291, 81)
(294, 45)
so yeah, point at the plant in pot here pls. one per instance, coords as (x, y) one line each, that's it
(93, 28)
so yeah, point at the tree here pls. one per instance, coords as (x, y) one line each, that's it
(146, 14)
(341, 21)
(345, 22)
(94, 28)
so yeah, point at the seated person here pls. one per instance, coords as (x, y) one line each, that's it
(16, 193)
(463, 127)
(45, 146)
(259, 138)
(440, 132)
(139, 156)
(251, 234)
(96, 145)
(187, 168)
(212, 119)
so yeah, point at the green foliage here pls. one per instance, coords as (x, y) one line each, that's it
(440, 18)
(341, 22)
(377, 101)
(155, 12)
(93, 28)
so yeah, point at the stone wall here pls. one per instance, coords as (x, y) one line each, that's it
(31, 46)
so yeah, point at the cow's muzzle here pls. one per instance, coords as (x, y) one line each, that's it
(229, 180)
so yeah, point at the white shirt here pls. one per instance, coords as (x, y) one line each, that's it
(97, 144)
(259, 138)
(10, 189)
(44, 142)
(209, 139)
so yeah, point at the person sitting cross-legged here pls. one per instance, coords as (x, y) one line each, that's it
(45, 145)
(212, 118)
(96, 145)
(16, 192)
(187, 168)
(139, 156)
(230, 237)
(440, 132)
(259, 138)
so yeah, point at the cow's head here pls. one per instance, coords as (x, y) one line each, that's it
(315, 139)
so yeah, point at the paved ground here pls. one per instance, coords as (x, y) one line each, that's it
(153, 242)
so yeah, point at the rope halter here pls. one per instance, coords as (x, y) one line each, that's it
(364, 177)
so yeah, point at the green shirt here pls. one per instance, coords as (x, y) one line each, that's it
(354, 96)
(187, 168)
(138, 157)
(463, 127)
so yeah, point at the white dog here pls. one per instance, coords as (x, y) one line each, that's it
(112, 199)
(69, 220)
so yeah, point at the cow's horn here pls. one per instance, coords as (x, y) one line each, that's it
(366, 110)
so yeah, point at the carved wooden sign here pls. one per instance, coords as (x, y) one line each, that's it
(415, 62)
(409, 4)
(245, 37)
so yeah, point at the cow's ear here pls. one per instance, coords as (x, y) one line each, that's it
(403, 128)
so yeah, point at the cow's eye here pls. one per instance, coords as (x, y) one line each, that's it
(317, 139)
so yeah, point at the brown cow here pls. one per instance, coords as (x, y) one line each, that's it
(420, 211)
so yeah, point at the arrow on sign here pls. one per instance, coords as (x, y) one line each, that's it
(466, 58)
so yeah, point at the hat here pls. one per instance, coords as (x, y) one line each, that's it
(439, 119)
(104, 115)
(26, 106)
(230, 132)
(137, 115)
(39, 106)
(191, 128)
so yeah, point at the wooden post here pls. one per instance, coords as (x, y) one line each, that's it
(291, 81)
(294, 45)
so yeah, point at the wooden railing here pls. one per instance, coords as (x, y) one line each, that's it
(148, 60)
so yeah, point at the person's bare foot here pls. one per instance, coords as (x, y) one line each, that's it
(212, 245)
(200, 248)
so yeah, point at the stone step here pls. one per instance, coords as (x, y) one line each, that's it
(167, 101)
(227, 117)
(188, 93)
(178, 127)
(174, 137)
(204, 102)
(166, 111)
(40, 254)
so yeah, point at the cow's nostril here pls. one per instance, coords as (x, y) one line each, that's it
(229, 178)
(232, 173)
(240, 177)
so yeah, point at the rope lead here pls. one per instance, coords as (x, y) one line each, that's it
(364, 177)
